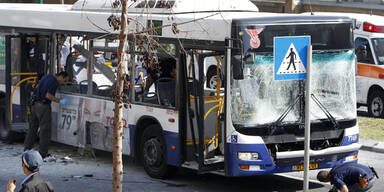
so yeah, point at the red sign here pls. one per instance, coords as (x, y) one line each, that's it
(254, 33)
(110, 121)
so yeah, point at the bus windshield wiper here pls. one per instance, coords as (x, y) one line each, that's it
(284, 114)
(326, 112)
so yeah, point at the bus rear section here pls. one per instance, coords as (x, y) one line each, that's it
(265, 117)
(369, 49)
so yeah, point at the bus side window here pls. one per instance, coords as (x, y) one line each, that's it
(75, 65)
(144, 86)
(363, 51)
(103, 85)
(72, 86)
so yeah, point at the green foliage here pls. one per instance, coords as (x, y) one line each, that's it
(371, 128)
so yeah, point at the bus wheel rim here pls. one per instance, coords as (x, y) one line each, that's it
(152, 152)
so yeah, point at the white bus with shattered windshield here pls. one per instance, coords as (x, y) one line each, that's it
(249, 124)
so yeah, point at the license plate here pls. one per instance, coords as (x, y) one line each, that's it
(311, 166)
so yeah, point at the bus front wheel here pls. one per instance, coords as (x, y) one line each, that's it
(154, 153)
(376, 104)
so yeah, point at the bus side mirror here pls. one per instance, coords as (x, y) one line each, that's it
(237, 67)
(249, 58)
(238, 62)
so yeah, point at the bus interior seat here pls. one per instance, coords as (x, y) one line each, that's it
(84, 87)
(104, 90)
(166, 91)
(71, 88)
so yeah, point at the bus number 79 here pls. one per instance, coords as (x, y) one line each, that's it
(67, 121)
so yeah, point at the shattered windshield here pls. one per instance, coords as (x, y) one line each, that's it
(258, 99)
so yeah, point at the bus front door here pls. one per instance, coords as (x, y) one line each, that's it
(204, 106)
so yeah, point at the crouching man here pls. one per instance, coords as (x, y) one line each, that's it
(349, 177)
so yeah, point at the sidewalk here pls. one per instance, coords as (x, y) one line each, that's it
(371, 145)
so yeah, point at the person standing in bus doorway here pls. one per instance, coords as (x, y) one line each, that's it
(31, 161)
(349, 177)
(41, 111)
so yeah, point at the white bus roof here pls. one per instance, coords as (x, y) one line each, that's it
(169, 6)
(91, 16)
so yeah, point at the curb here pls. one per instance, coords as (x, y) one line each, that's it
(374, 148)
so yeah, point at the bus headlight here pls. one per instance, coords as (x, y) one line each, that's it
(247, 156)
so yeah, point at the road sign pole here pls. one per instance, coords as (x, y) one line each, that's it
(299, 50)
(307, 119)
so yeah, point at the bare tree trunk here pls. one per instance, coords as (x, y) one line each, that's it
(118, 128)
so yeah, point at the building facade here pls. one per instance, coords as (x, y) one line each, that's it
(375, 7)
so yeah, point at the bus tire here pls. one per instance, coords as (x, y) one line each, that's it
(376, 104)
(154, 153)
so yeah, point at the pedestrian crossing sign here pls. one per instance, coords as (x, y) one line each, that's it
(290, 57)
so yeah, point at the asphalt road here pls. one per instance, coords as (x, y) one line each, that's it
(84, 173)
(88, 174)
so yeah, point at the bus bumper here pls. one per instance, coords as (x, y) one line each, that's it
(284, 161)
(328, 151)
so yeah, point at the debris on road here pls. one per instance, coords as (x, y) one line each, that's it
(66, 160)
(50, 158)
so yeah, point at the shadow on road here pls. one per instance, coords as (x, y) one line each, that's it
(211, 182)
(72, 176)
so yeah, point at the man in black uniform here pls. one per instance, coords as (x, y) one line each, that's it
(41, 111)
(31, 161)
(349, 177)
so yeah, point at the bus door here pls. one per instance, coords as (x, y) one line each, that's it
(204, 106)
(27, 58)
